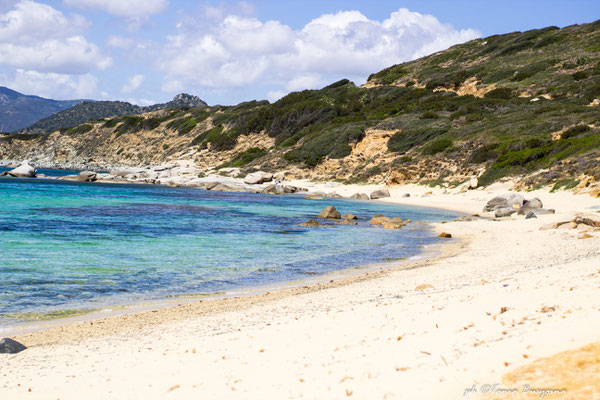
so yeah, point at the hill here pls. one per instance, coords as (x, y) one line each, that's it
(522, 104)
(18, 111)
(87, 111)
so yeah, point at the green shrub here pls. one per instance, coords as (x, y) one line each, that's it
(429, 115)
(580, 75)
(245, 157)
(484, 153)
(500, 93)
(575, 131)
(437, 146)
(81, 129)
(130, 124)
(401, 142)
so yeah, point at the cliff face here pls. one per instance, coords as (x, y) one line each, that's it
(522, 104)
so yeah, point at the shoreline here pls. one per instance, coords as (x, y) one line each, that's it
(502, 295)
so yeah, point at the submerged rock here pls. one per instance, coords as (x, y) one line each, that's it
(310, 223)
(329, 213)
(9, 346)
(349, 216)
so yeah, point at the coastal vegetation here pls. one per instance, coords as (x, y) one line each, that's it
(507, 105)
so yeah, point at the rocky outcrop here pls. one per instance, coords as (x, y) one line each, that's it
(329, 213)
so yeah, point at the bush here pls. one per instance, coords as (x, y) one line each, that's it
(580, 75)
(499, 93)
(130, 123)
(575, 131)
(81, 129)
(437, 146)
(245, 158)
(429, 115)
(401, 142)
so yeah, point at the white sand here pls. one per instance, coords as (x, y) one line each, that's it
(374, 339)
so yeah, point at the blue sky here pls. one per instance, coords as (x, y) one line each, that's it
(147, 51)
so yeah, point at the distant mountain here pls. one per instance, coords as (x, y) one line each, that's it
(18, 111)
(88, 111)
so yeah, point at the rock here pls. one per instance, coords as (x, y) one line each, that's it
(541, 211)
(24, 171)
(507, 200)
(504, 212)
(379, 219)
(313, 197)
(380, 194)
(549, 226)
(584, 235)
(349, 216)
(530, 215)
(360, 196)
(273, 189)
(86, 176)
(329, 213)
(332, 195)
(586, 221)
(310, 223)
(595, 193)
(465, 218)
(259, 177)
(405, 195)
(445, 235)
(279, 176)
(11, 165)
(533, 204)
(568, 225)
(9, 346)
(220, 187)
(424, 286)
(347, 222)
(473, 183)
(392, 225)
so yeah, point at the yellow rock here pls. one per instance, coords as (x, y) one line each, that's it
(424, 286)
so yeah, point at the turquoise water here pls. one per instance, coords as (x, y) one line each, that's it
(67, 245)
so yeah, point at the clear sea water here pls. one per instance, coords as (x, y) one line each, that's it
(72, 246)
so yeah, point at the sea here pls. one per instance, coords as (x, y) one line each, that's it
(69, 247)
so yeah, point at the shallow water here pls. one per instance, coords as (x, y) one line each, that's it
(74, 246)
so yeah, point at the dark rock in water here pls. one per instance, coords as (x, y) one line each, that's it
(5, 173)
(504, 212)
(533, 204)
(380, 194)
(349, 216)
(330, 213)
(9, 346)
(310, 223)
(530, 215)
(507, 200)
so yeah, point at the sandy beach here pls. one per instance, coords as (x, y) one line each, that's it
(503, 303)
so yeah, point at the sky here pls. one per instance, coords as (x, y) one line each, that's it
(225, 52)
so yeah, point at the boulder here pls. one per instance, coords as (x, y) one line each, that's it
(530, 215)
(279, 176)
(379, 219)
(507, 200)
(86, 176)
(346, 222)
(259, 177)
(473, 183)
(9, 346)
(310, 223)
(23, 171)
(392, 225)
(380, 194)
(273, 189)
(445, 235)
(406, 195)
(313, 197)
(329, 213)
(332, 195)
(360, 196)
(530, 205)
(504, 212)
(349, 216)
(539, 211)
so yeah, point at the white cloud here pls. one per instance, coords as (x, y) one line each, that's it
(120, 42)
(239, 51)
(37, 37)
(132, 83)
(53, 85)
(131, 9)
